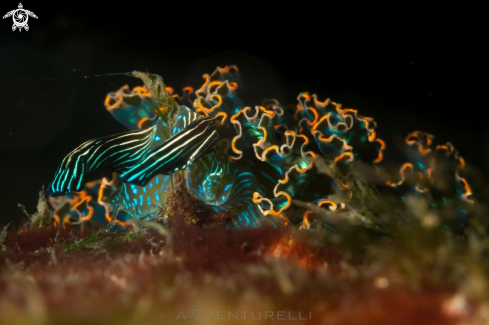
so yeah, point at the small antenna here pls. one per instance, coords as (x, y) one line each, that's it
(83, 77)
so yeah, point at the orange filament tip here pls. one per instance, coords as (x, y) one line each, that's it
(272, 148)
(371, 136)
(406, 165)
(264, 110)
(319, 103)
(209, 110)
(379, 157)
(224, 69)
(224, 117)
(289, 200)
(233, 147)
(305, 219)
(316, 116)
(141, 122)
(382, 143)
(115, 104)
(325, 117)
(214, 84)
(332, 206)
(85, 199)
(66, 220)
(306, 139)
(207, 78)
(327, 140)
(343, 155)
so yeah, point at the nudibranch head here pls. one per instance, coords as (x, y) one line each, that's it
(70, 175)
(115, 153)
(66, 180)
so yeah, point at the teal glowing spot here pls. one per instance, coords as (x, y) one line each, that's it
(281, 205)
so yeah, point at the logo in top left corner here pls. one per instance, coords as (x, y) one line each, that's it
(20, 17)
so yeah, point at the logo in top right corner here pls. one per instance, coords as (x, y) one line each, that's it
(20, 17)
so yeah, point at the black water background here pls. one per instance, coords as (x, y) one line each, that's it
(422, 71)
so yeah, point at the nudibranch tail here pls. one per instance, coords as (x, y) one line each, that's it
(434, 172)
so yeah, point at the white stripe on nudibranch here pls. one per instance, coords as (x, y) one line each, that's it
(177, 144)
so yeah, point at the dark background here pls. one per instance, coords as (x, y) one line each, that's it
(409, 68)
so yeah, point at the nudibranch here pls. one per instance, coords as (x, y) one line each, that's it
(251, 160)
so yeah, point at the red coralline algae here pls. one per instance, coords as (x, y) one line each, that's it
(109, 280)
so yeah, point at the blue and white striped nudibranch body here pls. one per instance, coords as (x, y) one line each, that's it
(177, 153)
(117, 153)
(138, 156)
